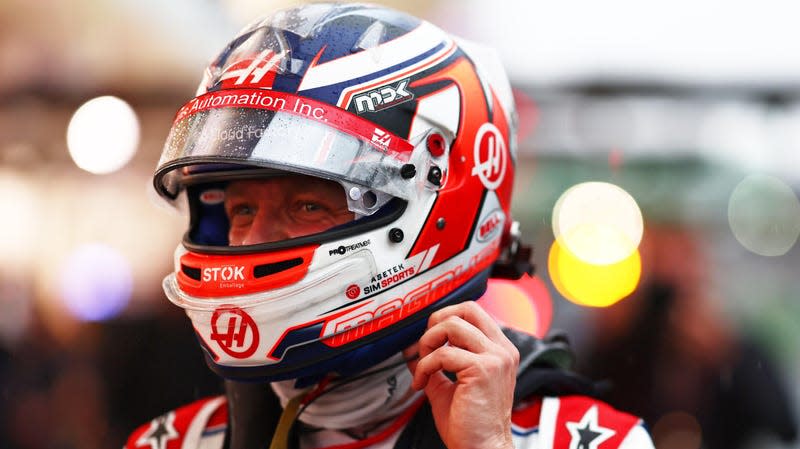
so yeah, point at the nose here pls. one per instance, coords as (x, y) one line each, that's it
(267, 227)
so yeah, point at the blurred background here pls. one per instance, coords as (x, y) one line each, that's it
(658, 179)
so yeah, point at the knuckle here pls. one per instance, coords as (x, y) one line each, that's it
(514, 356)
(495, 366)
(472, 308)
(452, 320)
(435, 315)
(446, 353)
(508, 358)
(470, 305)
(440, 315)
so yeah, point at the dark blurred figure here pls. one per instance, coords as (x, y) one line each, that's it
(671, 358)
(87, 390)
(145, 376)
(5, 365)
(52, 396)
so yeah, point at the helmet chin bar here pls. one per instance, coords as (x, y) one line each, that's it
(310, 362)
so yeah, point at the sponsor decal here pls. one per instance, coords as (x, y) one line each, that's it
(229, 276)
(344, 249)
(239, 133)
(353, 291)
(227, 273)
(402, 271)
(490, 156)
(308, 108)
(212, 196)
(490, 225)
(235, 332)
(274, 101)
(381, 138)
(389, 277)
(252, 72)
(383, 97)
(343, 329)
(392, 387)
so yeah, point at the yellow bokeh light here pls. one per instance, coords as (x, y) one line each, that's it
(590, 284)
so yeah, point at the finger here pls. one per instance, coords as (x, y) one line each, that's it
(471, 312)
(444, 358)
(456, 332)
(490, 327)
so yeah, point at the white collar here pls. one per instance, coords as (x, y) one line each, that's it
(369, 400)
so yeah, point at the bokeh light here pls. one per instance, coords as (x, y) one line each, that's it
(523, 304)
(677, 430)
(764, 215)
(591, 284)
(598, 222)
(95, 282)
(103, 135)
(20, 227)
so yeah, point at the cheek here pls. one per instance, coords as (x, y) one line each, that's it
(236, 236)
(304, 229)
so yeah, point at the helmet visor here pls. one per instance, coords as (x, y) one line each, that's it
(275, 130)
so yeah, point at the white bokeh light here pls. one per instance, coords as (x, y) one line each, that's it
(103, 135)
(764, 215)
(600, 223)
(20, 229)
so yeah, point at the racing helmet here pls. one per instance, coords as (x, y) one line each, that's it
(416, 126)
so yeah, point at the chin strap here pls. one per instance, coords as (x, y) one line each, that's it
(280, 440)
(281, 437)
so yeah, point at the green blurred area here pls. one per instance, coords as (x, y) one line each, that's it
(684, 190)
(759, 294)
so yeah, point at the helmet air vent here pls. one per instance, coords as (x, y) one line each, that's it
(191, 272)
(271, 268)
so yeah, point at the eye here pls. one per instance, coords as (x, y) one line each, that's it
(240, 210)
(312, 207)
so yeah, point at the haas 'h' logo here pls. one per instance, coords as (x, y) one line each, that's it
(235, 332)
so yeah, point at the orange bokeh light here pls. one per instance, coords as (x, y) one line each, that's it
(523, 304)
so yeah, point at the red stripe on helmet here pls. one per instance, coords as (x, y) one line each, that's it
(459, 200)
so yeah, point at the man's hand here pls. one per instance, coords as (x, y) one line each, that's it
(475, 410)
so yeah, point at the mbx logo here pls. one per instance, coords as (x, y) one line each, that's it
(383, 97)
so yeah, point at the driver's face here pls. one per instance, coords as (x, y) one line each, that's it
(283, 207)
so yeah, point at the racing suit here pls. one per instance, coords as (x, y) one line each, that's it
(553, 410)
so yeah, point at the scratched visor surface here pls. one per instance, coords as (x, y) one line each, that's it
(294, 141)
